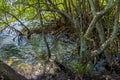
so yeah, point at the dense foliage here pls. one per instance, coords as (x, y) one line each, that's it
(83, 36)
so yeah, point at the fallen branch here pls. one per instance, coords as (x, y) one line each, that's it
(7, 73)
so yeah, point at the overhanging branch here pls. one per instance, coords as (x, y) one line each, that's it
(16, 19)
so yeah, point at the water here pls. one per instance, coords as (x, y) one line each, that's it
(30, 54)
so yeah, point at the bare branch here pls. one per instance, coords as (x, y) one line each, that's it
(113, 35)
(98, 25)
(96, 18)
(16, 19)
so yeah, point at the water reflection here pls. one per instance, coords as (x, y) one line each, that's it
(31, 53)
